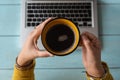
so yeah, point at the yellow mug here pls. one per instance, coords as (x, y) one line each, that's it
(60, 36)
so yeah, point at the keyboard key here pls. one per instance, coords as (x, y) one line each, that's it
(76, 15)
(75, 11)
(54, 15)
(49, 11)
(84, 19)
(67, 15)
(85, 23)
(58, 11)
(44, 11)
(63, 15)
(75, 19)
(76, 24)
(71, 11)
(79, 19)
(69, 7)
(39, 19)
(29, 7)
(36, 15)
(87, 7)
(89, 4)
(66, 11)
(30, 15)
(62, 11)
(30, 11)
(89, 25)
(33, 24)
(72, 15)
(29, 19)
(35, 11)
(34, 19)
(45, 15)
(89, 19)
(41, 15)
(53, 11)
(43, 19)
(81, 15)
(37, 24)
(50, 15)
(29, 4)
(39, 11)
(28, 24)
(85, 15)
(33, 7)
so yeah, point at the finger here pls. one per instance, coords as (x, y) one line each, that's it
(94, 40)
(90, 35)
(86, 42)
(34, 35)
(44, 54)
(40, 28)
(46, 21)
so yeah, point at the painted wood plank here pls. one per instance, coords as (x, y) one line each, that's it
(109, 1)
(9, 49)
(109, 22)
(109, 19)
(10, 1)
(19, 1)
(57, 74)
(9, 19)
(6, 74)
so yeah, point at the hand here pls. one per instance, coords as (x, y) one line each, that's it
(30, 50)
(91, 54)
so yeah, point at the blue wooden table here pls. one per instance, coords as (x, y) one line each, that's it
(59, 68)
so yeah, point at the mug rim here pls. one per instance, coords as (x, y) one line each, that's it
(74, 48)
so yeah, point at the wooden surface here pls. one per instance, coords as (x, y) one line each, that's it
(59, 68)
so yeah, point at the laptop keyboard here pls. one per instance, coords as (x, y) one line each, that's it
(79, 13)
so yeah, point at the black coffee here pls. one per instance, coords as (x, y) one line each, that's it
(60, 37)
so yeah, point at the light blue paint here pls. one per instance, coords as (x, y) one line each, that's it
(9, 19)
(10, 1)
(19, 1)
(109, 19)
(9, 49)
(109, 1)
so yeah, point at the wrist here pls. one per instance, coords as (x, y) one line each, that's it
(29, 66)
(96, 70)
(22, 63)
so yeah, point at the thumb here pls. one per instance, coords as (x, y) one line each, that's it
(86, 42)
(44, 54)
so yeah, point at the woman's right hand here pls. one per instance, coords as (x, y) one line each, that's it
(30, 51)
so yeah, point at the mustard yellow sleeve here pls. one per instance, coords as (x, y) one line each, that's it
(107, 75)
(24, 73)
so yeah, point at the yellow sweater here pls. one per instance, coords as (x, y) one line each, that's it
(28, 73)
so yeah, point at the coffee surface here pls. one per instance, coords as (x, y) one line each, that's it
(60, 37)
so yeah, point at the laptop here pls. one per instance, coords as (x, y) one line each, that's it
(82, 12)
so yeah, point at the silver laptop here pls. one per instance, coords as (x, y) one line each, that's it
(82, 12)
